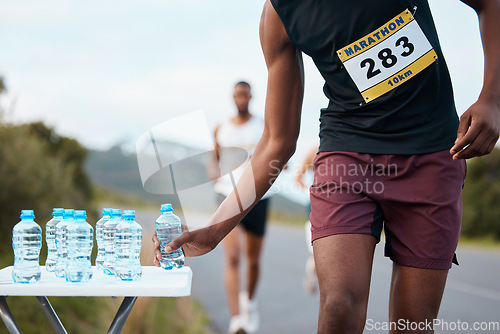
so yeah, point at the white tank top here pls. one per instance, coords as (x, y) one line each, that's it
(245, 136)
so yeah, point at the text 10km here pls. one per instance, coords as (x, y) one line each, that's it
(387, 57)
(399, 78)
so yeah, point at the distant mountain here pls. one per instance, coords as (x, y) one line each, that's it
(117, 170)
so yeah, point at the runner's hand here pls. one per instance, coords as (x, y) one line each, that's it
(194, 243)
(157, 258)
(478, 130)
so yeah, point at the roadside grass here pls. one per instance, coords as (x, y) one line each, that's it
(287, 219)
(487, 243)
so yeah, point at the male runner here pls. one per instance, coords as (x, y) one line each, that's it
(391, 113)
(244, 131)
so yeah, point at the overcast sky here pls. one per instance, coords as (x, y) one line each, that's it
(105, 71)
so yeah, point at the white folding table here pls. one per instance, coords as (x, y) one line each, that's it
(155, 282)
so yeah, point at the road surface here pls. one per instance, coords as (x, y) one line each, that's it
(472, 294)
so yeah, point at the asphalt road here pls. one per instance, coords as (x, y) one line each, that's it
(472, 294)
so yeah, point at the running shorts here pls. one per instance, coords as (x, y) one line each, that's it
(415, 199)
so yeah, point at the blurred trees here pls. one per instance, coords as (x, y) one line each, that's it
(71, 153)
(34, 174)
(39, 170)
(481, 197)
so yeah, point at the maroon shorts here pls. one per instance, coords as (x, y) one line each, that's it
(416, 199)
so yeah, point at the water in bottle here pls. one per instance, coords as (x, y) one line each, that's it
(80, 238)
(128, 243)
(109, 241)
(99, 236)
(61, 242)
(168, 227)
(26, 242)
(50, 238)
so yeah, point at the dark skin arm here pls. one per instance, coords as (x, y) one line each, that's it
(479, 126)
(285, 89)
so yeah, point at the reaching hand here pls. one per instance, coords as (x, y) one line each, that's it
(478, 131)
(194, 243)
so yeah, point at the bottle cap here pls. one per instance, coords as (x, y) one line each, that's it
(166, 207)
(57, 212)
(69, 213)
(106, 211)
(128, 214)
(80, 214)
(116, 212)
(27, 214)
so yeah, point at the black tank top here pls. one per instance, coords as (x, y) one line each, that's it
(417, 116)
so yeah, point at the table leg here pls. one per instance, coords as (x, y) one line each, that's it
(122, 315)
(49, 312)
(7, 317)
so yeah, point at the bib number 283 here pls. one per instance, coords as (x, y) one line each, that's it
(387, 57)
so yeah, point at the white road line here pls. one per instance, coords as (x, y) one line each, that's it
(473, 290)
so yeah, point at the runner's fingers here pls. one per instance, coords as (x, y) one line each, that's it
(486, 147)
(155, 240)
(470, 142)
(178, 242)
(459, 149)
(465, 122)
(491, 146)
(477, 148)
(158, 253)
(156, 262)
(462, 143)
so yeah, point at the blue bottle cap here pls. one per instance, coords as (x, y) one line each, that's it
(57, 212)
(106, 211)
(116, 212)
(166, 207)
(69, 213)
(27, 214)
(80, 214)
(128, 214)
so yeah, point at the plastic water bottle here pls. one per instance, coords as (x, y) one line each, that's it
(99, 236)
(61, 242)
(128, 243)
(80, 240)
(109, 241)
(26, 242)
(168, 227)
(50, 238)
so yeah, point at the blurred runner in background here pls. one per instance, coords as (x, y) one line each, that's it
(244, 131)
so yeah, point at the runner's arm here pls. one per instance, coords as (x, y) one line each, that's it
(285, 90)
(480, 124)
(306, 165)
(213, 169)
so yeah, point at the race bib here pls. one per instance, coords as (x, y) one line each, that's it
(387, 57)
